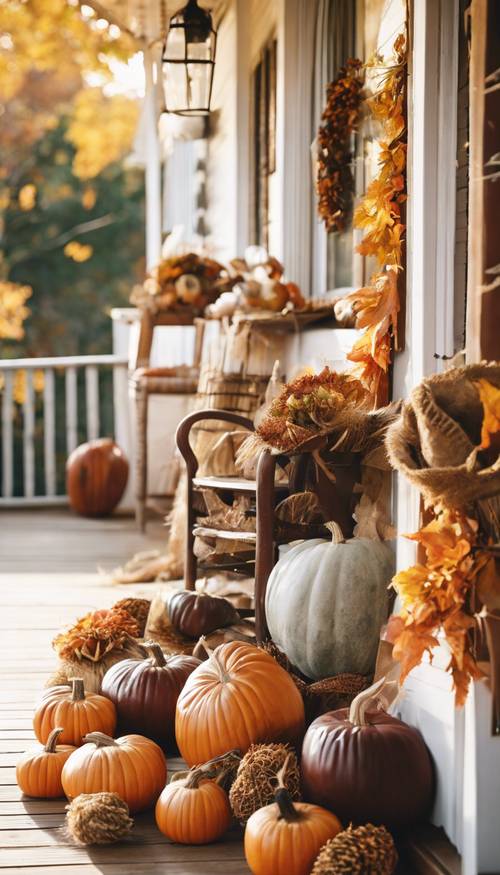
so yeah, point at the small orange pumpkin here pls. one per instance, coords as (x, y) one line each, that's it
(133, 767)
(238, 697)
(38, 772)
(285, 838)
(76, 711)
(193, 811)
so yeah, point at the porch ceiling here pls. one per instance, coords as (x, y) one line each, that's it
(148, 19)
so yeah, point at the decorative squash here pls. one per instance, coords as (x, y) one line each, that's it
(38, 772)
(195, 614)
(76, 711)
(96, 477)
(326, 603)
(132, 766)
(285, 838)
(145, 692)
(367, 766)
(238, 697)
(193, 811)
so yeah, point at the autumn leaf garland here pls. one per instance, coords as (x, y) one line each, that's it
(379, 215)
(439, 596)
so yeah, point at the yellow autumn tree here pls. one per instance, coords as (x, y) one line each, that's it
(48, 48)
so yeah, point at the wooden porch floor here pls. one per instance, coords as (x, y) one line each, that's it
(48, 577)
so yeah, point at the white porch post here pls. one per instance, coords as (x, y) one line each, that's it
(428, 702)
(153, 161)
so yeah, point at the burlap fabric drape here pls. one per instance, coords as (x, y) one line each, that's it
(434, 442)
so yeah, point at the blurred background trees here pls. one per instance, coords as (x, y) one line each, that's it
(68, 197)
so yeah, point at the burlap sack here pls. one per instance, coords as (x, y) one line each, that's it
(434, 441)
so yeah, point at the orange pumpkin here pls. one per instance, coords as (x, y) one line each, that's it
(193, 811)
(133, 767)
(285, 838)
(76, 711)
(238, 697)
(96, 477)
(38, 772)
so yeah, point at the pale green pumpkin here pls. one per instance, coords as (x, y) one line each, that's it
(326, 602)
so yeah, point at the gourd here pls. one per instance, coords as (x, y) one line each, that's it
(132, 766)
(194, 614)
(96, 476)
(238, 697)
(193, 811)
(326, 602)
(367, 766)
(145, 692)
(76, 711)
(38, 772)
(284, 838)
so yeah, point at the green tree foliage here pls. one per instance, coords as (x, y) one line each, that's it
(78, 244)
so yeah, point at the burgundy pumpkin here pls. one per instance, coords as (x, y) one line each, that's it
(194, 614)
(96, 477)
(145, 693)
(367, 766)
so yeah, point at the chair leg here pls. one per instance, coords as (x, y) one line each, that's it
(141, 478)
(264, 549)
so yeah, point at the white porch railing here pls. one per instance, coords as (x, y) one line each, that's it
(68, 368)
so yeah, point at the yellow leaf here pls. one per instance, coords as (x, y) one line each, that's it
(490, 399)
(27, 197)
(78, 251)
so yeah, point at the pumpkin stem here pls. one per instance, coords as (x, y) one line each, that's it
(78, 688)
(194, 777)
(100, 739)
(287, 810)
(50, 744)
(363, 701)
(336, 532)
(156, 653)
(224, 676)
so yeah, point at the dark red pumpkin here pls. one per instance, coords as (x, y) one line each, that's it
(96, 477)
(145, 693)
(367, 766)
(194, 614)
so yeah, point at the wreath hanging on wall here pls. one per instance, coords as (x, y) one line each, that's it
(335, 180)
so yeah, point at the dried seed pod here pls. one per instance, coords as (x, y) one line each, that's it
(255, 783)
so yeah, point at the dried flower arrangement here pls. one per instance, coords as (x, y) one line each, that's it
(459, 576)
(96, 634)
(184, 281)
(379, 215)
(94, 643)
(311, 405)
(335, 180)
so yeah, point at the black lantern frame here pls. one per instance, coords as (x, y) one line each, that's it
(195, 25)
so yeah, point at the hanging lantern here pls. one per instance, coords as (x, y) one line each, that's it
(188, 62)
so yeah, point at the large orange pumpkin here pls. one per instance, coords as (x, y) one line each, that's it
(285, 838)
(38, 772)
(238, 697)
(132, 766)
(76, 711)
(193, 811)
(96, 477)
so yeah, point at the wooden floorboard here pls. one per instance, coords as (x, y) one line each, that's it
(49, 576)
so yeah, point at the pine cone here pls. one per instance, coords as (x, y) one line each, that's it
(366, 850)
(138, 609)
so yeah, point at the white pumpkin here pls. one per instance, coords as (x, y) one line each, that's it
(326, 602)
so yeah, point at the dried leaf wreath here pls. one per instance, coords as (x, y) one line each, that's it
(379, 215)
(440, 595)
(335, 180)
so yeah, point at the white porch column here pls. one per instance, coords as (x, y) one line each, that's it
(296, 31)
(153, 161)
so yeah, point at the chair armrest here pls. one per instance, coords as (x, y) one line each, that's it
(184, 428)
